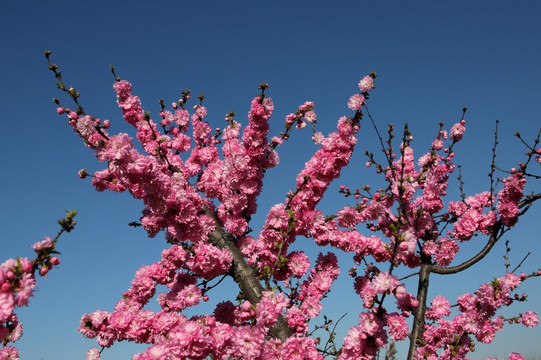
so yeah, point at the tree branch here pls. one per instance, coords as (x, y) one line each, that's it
(494, 237)
(419, 313)
(244, 275)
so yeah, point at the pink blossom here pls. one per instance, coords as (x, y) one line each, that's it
(300, 348)
(347, 217)
(296, 320)
(9, 353)
(42, 245)
(509, 282)
(447, 250)
(529, 319)
(356, 102)
(398, 329)
(122, 88)
(437, 144)
(439, 307)
(366, 83)
(278, 217)
(311, 306)
(248, 343)
(17, 332)
(26, 289)
(486, 334)
(318, 137)
(269, 308)
(209, 261)
(93, 354)
(310, 116)
(512, 190)
(298, 263)
(457, 131)
(7, 305)
(384, 282)
(508, 213)
(86, 126)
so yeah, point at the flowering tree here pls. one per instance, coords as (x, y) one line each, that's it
(200, 186)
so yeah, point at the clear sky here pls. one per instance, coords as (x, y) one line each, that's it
(432, 57)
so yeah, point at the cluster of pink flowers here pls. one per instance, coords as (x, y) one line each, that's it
(237, 180)
(161, 179)
(509, 197)
(202, 187)
(17, 285)
(413, 232)
(477, 318)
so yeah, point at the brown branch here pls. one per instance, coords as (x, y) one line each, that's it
(419, 313)
(494, 237)
(244, 275)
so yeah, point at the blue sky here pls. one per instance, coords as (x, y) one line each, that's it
(432, 58)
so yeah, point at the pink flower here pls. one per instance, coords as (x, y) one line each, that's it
(438, 308)
(447, 249)
(86, 126)
(347, 217)
(529, 319)
(42, 245)
(201, 111)
(356, 102)
(299, 348)
(508, 213)
(486, 334)
(509, 282)
(369, 323)
(278, 217)
(296, 320)
(384, 282)
(9, 353)
(248, 343)
(311, 306)
(457, 131)
(269, 308)
(437, 144)
(398, 329)
(208, 261)
(298, 263)
(122, 88)
(318, 137)
(26, 289)
(17, 332)
(7, 304)
(310, 116)
(93, 354)
(366, 83)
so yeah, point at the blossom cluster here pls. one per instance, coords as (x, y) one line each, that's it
(18, 283)
(477, 318)
(161, 178)
(410, 215)
(233, 331)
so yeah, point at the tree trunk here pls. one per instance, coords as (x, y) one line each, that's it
(245, 277)
(419, 313)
